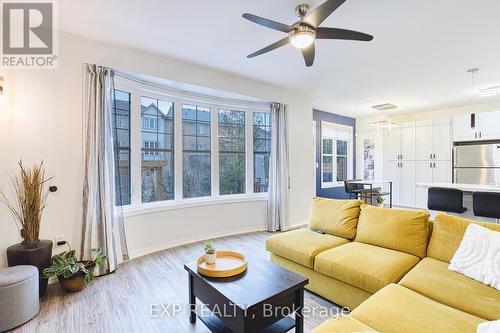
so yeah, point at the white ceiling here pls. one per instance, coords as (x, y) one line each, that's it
(417, 60)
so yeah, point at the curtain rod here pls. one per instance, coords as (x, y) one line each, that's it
(131, 77)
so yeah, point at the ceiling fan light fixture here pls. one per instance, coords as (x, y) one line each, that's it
(302, 37)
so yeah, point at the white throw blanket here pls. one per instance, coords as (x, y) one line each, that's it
(489, 327)
(478, 256)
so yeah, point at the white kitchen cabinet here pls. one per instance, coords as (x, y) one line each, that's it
(407, 184)
(392, 149)
(442, 172)
(424, 139)
(424, 174)
(400, 142)
(433, 140)
(402, 176)
(486, 127)
(408, 141)
(442, 140)
(430, 172)
(422, 155)
(462, 130)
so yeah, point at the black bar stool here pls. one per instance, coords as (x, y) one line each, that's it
(486, 204)
(354, 190)
(446, 200)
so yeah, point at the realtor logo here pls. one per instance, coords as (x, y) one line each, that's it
(28, 35)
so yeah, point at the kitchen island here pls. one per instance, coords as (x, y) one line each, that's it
(468, 189)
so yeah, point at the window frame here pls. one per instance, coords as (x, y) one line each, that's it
(155, 150)
(350, 153)
(211, 151)
(180, 98)
(266, 152)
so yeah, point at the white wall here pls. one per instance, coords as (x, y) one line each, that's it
(41, 119)
(365, 130)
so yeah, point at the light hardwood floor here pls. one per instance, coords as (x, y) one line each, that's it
(122, 301)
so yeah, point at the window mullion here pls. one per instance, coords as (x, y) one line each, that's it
(135, 147)
(214, 142)
(334, 161)
(249, 151)
(178, 153)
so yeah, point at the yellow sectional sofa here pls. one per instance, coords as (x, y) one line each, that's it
(389, 266)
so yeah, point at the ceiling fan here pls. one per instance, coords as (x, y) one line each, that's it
(302, 33)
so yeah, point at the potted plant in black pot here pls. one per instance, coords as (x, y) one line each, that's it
(74, 275)
(30, 198)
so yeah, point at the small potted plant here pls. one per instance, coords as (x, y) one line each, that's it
(74, 275)
(380, 201)
(210, 254)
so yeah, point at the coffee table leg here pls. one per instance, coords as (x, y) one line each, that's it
(192, 301)
(299, 303)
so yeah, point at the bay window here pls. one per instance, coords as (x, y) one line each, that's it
(174, 146)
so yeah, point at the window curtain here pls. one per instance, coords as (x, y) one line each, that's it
(278, 203)
(102, 224)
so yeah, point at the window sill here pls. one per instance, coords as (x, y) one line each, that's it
(155, 207)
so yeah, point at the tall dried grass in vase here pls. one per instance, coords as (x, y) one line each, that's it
(30, 199)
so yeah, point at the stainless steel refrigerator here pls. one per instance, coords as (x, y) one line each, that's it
(477, 164)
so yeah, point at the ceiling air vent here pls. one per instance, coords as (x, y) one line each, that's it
(384, 107)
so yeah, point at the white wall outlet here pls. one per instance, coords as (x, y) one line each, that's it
(59, 238)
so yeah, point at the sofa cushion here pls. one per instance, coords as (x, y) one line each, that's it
(342, 324)
(396, 229)
(447, 234)
(364, 266)
(432, 279)
(335, 217)
(302, 245)
(338, 292)
(398, 309)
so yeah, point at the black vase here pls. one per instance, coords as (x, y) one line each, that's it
(38, 254)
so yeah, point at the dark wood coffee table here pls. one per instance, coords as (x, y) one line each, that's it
(261, 299)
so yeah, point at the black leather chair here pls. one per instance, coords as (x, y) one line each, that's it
(486, 204)
(446, 200)
(354, 190)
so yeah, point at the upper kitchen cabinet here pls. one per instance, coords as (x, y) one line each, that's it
(433, 140)
(400, 142)
(488, 125)
(476, 127)
(463, 129)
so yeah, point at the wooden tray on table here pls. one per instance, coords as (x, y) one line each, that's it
(228, 263)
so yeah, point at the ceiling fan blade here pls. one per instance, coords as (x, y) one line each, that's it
(267, 23)
(308, 53)
(271, 47)
(318, 15)
(335, 33)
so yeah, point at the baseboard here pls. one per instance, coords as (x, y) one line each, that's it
(189, 240)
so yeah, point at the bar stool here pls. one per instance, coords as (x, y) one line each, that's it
(353, 189)
(446, 200)
(486, 204)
